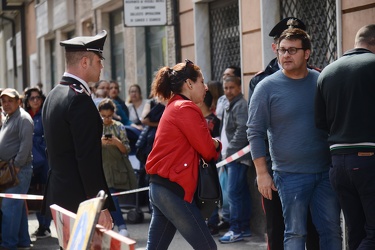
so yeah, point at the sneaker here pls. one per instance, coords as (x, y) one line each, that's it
(214, 230)
(41, 233)
(124, 232)
(246, 233)
(223, 225)
(230, 237)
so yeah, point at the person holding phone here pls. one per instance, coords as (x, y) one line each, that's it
(118, 171)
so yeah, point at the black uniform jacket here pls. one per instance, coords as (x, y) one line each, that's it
(73, 130)
(271, 68)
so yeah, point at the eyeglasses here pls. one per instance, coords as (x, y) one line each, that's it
(187, 62)
(291, 50)
(35, 98)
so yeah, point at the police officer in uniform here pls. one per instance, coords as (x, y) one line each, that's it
(73, 130)
(272, 208)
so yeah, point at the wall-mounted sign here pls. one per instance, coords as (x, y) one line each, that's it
(145, 12)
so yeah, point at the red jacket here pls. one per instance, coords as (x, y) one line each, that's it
(181, 138)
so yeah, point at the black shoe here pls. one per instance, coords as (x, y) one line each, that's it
(223, 225)
(214, 230)
(41, 233)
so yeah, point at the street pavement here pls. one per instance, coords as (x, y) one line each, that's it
(138, 232)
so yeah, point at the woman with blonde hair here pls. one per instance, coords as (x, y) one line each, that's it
(136, 105)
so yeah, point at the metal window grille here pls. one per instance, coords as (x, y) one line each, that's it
(225, 36)
(320, 19)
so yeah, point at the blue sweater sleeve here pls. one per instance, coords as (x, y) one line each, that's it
(258, 122)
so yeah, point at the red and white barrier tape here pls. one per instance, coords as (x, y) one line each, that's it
(231, 158)
(131, 191)
(40, 197)
(234, 156)
(22, 196)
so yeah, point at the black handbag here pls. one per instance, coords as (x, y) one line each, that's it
(208, 195)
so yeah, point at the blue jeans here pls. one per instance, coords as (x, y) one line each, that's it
(238, 197)
(15, 226)
(117, 215)
(301, 192)
(171, 213)
(353, 179)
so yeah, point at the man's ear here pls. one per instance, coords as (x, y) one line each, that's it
(274, 47)
(84, 62)
(307, 54)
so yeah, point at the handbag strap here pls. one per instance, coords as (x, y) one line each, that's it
(136, 113)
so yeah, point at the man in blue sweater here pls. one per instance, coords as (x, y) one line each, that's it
(282, 108)
(343, 107)
(272, 208)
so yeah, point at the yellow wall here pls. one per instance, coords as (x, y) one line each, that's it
(355, 14)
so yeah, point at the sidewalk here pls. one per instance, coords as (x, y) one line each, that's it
(138, 232)
(50, 243)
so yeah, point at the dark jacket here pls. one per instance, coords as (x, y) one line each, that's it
(271, 68)
(39, 144)
(235, 119)
(345, 99)
(73, 130)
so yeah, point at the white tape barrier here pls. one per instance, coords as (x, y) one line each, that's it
(234, 156)
(231, 158)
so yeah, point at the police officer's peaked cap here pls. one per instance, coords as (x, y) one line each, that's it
(86, 43)
(285, 24)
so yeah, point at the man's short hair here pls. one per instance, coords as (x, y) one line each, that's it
(236, 70)
(296, 34)
(365, 36)
(234, 79)
(73, 57)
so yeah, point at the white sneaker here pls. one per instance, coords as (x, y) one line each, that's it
(124, 232)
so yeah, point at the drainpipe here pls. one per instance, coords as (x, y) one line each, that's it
(339, 28)
(13, 43)
(23, 46)
(176, 24)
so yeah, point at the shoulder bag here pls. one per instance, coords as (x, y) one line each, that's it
(8, 175)
(208, 195)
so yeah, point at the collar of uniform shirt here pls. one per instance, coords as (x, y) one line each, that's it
(80, 80)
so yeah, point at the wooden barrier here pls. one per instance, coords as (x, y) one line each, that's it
(102, 238)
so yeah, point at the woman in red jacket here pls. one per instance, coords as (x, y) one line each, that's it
(181, 139)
